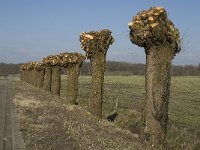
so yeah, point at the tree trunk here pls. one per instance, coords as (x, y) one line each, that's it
(37, 78)
(40, 78)
(72, 83)
(31, 77)
(56, 80)
(47, 78)
(28, 76)
(98, 61)
(157, 85)
(25, 75)
(22, 75)
(35, 75)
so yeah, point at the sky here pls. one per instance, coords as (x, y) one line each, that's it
(33, 29)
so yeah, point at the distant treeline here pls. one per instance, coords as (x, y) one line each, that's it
(115, 68)
(9, 68)
(124, 68)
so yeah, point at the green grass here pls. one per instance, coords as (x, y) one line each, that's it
(185, 101)
(184, 107)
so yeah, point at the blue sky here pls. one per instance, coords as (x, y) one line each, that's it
(33, 29)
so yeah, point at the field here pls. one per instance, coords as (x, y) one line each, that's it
(48, 122)
(40, 113)
(184, 108)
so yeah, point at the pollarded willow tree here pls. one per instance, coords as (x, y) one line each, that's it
(30, 72)
(34, 75)
(96, 44)
(39, 67)
(47, 75)
(23, 72)
(153, 30)
(52, 77)
(72, 62)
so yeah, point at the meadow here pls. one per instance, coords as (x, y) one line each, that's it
(129, 93)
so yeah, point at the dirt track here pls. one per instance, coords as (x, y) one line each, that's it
(5, 124)
(10, 138)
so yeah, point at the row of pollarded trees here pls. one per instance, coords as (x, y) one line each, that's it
(32, 72)
(152, 30)
(47, 74)
(95, 44)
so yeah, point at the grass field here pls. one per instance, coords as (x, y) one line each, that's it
(184, 107)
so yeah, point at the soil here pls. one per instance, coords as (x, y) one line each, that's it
(48, 123)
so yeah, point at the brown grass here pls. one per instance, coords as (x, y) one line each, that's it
(47, 123)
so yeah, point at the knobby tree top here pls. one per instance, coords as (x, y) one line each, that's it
(71, 58)
(28, 66)
(95, 41)
(152, 27)
(39, 66)
(52, 60)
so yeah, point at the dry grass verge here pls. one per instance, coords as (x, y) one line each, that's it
(47, 123)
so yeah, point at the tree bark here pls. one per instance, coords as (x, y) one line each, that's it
(73, 72)
(98, 61)
(40, 78)
(56, 80)
(21, 75)
(25, 75)
(47, 78)
(31, 77)
(157, 85)
(35, 75)
(28, 76)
